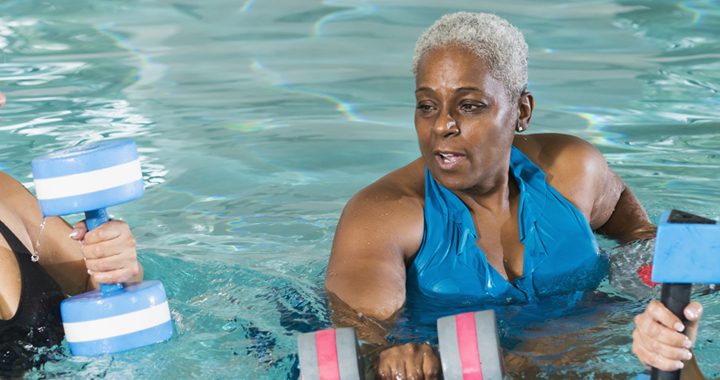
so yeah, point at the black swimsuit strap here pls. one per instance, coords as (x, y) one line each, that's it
(15, 244)
(37, 321)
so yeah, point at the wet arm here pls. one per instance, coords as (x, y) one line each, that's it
(366, 271)
(58, 254)
(614, 210)
(61, 256)
(628, 221)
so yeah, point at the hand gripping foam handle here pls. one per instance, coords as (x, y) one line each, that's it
(330, 354)
(470, 347)
(687, 251)
(88, 179)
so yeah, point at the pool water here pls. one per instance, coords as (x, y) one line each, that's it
(257, 120)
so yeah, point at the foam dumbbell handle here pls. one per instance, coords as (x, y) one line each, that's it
(93, 220)
(675, 297)
(330, 354)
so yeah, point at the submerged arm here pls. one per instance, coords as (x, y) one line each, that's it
(378, 233)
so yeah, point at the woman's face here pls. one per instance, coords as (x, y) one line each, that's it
(464, 120)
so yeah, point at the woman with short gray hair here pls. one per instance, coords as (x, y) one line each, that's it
(488, 215)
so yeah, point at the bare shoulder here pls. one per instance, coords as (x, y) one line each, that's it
(400, 188)
(10, 187)
(560, 154)
(573, 167)
(392, 204)
(16, 201)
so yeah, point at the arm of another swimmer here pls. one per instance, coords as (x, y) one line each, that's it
(377, 232)
(628, 222)
(60, 255)
(67, 269)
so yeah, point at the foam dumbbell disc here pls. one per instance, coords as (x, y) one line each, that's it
(138, 315)
(469, 346)
(88, 179)
(330, 354)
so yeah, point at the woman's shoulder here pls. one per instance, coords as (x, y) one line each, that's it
(397, 196)
(14, 196)
(560, 154)
(571, 165)
(405, 183)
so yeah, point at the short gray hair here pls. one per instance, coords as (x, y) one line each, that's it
(491, 38)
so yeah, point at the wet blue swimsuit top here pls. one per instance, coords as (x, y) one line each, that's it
(561, 255)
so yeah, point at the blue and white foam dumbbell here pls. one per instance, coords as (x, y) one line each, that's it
(88, 179)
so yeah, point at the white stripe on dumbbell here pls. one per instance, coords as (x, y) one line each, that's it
(123, 324)
(88, 182)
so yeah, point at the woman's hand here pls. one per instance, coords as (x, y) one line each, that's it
(408, 361)
(109, 252)
(658, 340)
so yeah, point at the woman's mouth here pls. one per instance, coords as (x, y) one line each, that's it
(448, 160)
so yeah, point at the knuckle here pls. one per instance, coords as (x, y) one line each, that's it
(653, 346)
(638, 319)
(653, 306)
(134, 271)
(653, 329)
(408, 348)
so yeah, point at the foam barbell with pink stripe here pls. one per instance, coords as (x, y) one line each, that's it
(88, 179)
(469, 346)
(330, 354)
(468, 343)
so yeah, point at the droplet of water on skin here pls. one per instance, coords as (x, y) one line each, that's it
(35, 256)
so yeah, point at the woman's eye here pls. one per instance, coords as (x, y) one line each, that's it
(470, 107)
(423, 107)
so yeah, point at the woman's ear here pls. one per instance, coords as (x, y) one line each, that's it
(526, 103)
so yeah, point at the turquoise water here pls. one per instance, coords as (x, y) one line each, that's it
(257, 120)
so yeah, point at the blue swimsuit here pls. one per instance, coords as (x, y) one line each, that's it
(561, 255)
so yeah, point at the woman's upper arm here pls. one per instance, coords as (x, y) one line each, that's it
(374, 237)
(616, 212)
(584, 177)
(58, 254)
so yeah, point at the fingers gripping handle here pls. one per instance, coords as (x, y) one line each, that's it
(93, 220)
(675, 297)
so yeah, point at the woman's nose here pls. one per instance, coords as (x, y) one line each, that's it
(447, 126)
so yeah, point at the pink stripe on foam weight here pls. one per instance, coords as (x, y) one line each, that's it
(467, 346)
(327, 355)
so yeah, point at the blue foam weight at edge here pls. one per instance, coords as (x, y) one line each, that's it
(85, 158)
(92, 201)
(91, 305)
(686, 253)
(142, 338)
